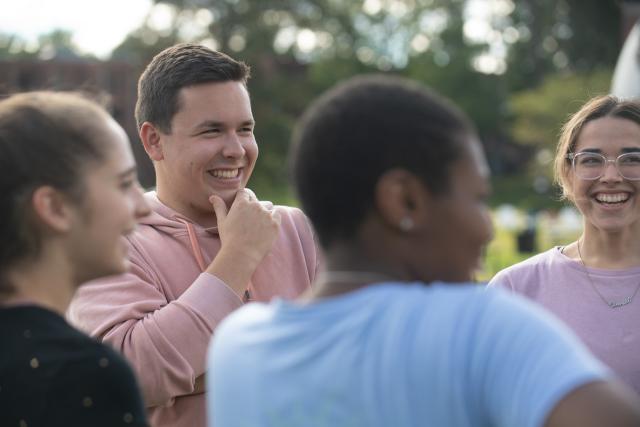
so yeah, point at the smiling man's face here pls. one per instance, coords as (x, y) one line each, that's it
(211, 148)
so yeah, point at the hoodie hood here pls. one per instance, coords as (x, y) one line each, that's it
(167, 220)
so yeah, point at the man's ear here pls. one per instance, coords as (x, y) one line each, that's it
(53, 209)
(151, 139)
(402, 200)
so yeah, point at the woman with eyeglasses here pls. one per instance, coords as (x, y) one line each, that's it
(593, 284)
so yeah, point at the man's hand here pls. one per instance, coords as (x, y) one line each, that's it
(247, 232)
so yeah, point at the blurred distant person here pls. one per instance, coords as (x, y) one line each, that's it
(393, 333)
(69, 194)
(592, 284)
(209, 245)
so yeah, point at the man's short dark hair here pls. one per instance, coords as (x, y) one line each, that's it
(362, 128)
(176, 67)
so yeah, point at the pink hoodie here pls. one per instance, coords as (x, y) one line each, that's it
(162, 313)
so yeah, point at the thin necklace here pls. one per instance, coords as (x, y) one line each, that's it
(353, 276)
(345, 276)
(612, 304)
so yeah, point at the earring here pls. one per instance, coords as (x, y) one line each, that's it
(406, 224)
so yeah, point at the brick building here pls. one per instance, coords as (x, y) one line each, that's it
(115, 79)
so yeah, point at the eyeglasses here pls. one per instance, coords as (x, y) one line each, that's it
(591, 166)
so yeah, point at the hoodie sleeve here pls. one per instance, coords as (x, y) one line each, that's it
(165, 341)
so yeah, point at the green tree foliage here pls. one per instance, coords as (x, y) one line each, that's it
(560, 35)
(545, 51)
(299, 48)
(55, 44)
(422, 39)
(539, 113)
(545, 56)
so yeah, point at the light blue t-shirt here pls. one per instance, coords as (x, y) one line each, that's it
(394, 355)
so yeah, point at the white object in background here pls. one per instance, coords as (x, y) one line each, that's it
(626, 77)
(570, 220)
(509, 218)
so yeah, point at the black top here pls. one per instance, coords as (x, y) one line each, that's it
(53, 375)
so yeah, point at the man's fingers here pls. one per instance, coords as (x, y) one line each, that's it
(251, 195)
(219, 207)
(275, 215)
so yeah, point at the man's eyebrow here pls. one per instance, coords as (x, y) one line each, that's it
(218, 124)
(209, 124)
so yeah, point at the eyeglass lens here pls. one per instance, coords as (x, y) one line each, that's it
(592, 165)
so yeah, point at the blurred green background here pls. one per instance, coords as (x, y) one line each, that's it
(518, 68)
(520, 234)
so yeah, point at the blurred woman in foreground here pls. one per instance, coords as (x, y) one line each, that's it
(68, 194)
(592, 284)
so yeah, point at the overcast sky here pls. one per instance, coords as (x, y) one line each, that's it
(97, 25)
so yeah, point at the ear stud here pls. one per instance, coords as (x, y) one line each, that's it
(406, 224)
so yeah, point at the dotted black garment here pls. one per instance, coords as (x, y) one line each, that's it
(53, 375)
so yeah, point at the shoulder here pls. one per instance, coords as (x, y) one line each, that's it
(295, 217)
(101, 385)
(79, 354)
(238, 330)
(66, 347)
(495, 347)
(473, 307)
(297, 230)
(71, 379)
(524, 355)
(526, 322)
(246, 317)
(419, 306)
(500, 305)
(102, 359)
(540, 261)
(450, 296)
(528, 272)
(513, 331)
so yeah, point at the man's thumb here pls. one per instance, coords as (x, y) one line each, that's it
(219, 207)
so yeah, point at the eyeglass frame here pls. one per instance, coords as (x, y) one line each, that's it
(572, 158)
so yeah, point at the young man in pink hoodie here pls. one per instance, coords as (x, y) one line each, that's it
(208, 246)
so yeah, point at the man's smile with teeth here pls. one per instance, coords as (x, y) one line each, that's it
(612, 198)
(224, 173)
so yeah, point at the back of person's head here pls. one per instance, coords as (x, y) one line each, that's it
(46, 139)
(177, 67)
(359, 130)
(596, 108)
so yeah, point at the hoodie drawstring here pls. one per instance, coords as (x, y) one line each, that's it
(195, 246)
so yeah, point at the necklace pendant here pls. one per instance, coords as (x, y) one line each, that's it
(611, 304)
(625, 301)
